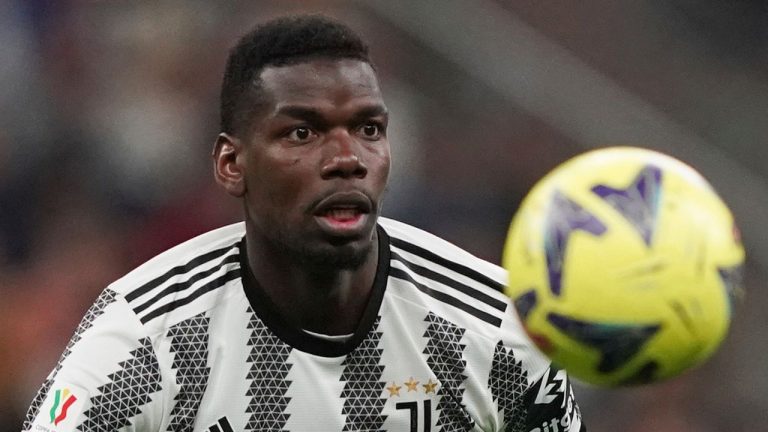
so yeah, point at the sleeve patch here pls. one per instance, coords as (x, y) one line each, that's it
(61, 409)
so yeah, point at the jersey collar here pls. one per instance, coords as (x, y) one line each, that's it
(265, 309)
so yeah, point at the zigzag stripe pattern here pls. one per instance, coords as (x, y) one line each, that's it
(508, 382)
(106, 298)
(189, 343)
(127, 391)
(363, 404)
(446, 359)
(269, 369)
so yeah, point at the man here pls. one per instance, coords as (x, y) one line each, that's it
(314, 314)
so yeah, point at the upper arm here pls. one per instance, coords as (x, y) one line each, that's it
(105, 379)
(542, 398)
(550, 404)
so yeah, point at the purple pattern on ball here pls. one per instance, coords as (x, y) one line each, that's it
(618, 343)
(525, 303)
(733, 282)
(565, 216)
(639, 202)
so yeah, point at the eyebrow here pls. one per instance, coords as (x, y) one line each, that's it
(301, 113)
(370, 111)
(314, 116)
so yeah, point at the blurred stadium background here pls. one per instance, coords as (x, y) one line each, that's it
(109, 111)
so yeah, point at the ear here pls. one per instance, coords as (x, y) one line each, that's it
(227, 164)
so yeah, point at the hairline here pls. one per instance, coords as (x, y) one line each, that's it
(253, 94)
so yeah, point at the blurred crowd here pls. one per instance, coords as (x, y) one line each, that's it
(109, 113)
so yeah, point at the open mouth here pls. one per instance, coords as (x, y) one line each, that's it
(343, 213)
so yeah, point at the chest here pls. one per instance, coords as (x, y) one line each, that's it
(399, 378)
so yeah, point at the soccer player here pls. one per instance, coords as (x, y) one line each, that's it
(314, 314)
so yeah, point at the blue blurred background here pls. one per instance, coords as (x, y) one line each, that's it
(108, 113)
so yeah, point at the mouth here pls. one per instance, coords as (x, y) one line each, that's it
(343, 213)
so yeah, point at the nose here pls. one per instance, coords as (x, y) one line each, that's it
(343, 160)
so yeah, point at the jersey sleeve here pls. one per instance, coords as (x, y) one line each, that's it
(107, 378)
(531, 395)
(550, 405)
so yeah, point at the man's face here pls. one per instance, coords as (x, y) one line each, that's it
(316, 161)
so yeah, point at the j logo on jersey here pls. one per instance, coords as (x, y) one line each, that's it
(415, 396)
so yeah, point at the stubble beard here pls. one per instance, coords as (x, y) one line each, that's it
(325, 257)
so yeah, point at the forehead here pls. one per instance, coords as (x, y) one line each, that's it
(321, 81)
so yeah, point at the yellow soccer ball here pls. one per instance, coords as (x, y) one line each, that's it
(623, 266)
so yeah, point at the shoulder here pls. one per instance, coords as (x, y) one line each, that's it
(463, 290)
(183, 273)
(451, 280)
(407, 239)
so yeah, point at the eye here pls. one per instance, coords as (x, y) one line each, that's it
(371, 130)
(301, 134)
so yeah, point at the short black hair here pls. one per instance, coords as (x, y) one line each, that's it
(280, 42)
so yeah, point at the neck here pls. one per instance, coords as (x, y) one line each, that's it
(323, 299)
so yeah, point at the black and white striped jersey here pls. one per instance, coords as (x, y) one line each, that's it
(188, 342)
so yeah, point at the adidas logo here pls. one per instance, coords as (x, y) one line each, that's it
(221, 426)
